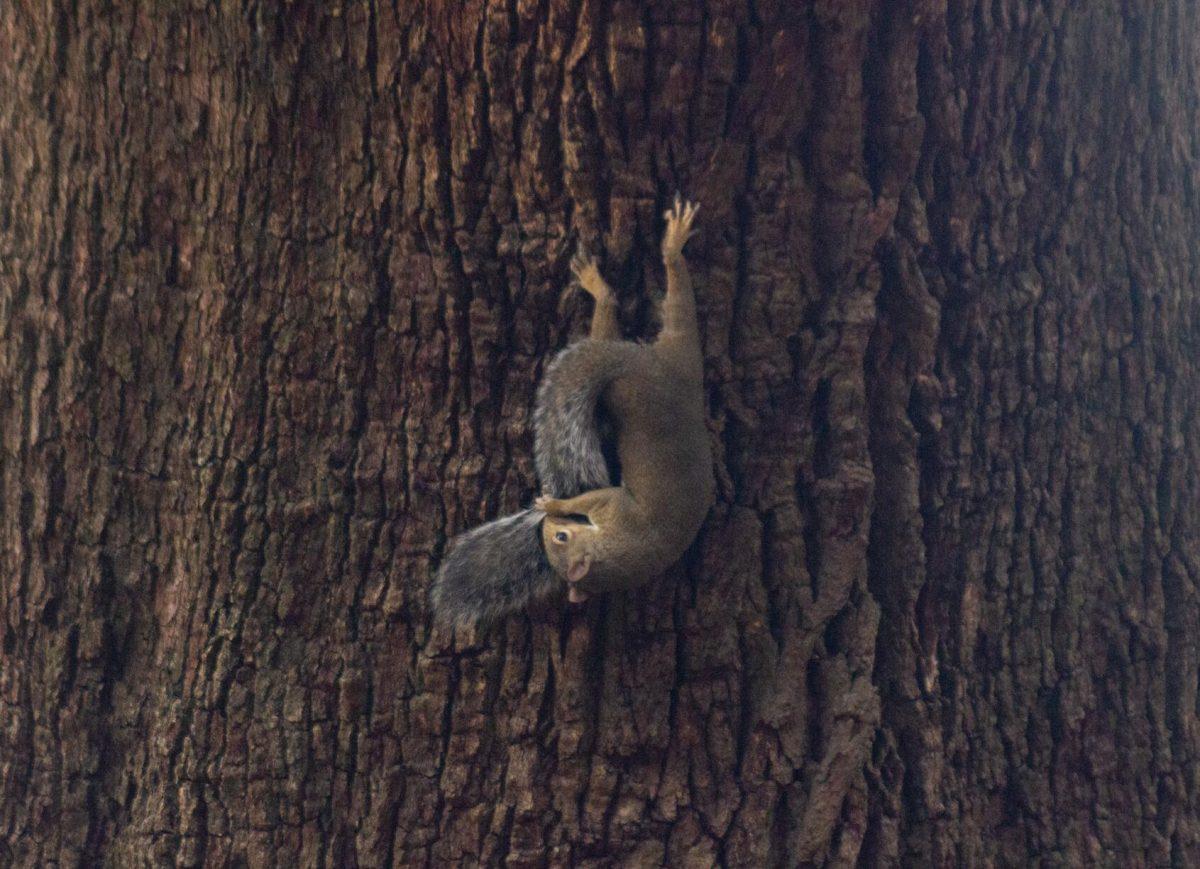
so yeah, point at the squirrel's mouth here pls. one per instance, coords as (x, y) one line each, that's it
(577, 571)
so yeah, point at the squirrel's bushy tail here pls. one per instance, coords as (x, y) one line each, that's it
(567, 446)
(500, 567)
(493, 570)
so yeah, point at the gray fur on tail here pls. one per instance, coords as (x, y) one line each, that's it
(566, 438)
(493, 570)
(500, 567)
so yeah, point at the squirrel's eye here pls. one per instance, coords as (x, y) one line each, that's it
(561, 536)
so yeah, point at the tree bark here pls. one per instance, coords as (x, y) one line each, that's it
(277, 284)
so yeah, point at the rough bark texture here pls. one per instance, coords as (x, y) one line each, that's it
(277, 283)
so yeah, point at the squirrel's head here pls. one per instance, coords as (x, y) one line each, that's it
(571, 549)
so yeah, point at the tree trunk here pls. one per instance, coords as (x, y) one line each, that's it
(277, 283)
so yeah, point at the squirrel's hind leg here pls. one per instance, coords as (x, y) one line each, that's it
(679, 306)
(679, 340)
(604, 315)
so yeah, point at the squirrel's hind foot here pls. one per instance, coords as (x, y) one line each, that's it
(587, 275)
(679, 218)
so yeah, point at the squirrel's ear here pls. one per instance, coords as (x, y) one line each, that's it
(578, 569)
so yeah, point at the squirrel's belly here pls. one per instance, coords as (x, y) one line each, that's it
(666, 467)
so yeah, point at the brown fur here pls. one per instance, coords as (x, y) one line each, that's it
(636, 530)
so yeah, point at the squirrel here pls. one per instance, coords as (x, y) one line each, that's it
(590, 529)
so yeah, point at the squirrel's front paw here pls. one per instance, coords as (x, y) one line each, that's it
(679, 219)
(544, 503)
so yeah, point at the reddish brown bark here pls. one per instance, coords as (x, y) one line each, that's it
(276, 287)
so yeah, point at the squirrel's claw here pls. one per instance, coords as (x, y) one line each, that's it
(587, 275)
(679, 220)
(582, 262)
